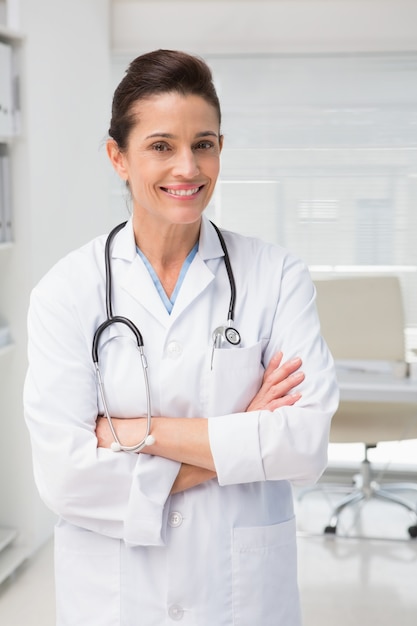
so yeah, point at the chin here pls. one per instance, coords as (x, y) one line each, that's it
(186, 216)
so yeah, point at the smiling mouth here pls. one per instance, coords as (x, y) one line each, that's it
(181, 193)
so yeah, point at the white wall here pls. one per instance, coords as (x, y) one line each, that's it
(61, 190)
(60, 200)
(66, 105)
(289, 26)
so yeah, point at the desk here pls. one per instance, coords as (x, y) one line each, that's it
(366, 386)
(374, 406)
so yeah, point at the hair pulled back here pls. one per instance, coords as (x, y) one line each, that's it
(158, 72)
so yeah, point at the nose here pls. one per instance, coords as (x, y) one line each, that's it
(186, 164)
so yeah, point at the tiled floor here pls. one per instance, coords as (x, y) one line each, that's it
(344, 580)
(365, 575)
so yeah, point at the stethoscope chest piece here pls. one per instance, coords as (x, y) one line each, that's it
(224, 335)
(232, 336)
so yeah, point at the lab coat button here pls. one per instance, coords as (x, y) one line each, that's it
(176, 612)
(175, 519)
(174, 349)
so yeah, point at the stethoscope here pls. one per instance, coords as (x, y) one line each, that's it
(223, 336)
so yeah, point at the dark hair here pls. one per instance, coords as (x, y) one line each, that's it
(158, 72)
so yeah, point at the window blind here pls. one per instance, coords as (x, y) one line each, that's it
(321, 156)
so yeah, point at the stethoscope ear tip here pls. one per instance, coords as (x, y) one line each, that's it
(115, 446)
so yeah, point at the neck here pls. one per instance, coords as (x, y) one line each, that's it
(166, 248)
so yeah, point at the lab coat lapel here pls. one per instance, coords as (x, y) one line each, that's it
(134, 278)
(201, 272)
(196, 280)
(138, 283)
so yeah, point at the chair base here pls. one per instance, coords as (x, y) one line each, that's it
(365, 489)
(374, 490)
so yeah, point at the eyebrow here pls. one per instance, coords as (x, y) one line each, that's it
(206, 133)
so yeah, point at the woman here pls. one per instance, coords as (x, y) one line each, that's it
(198, 524)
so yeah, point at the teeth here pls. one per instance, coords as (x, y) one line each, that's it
(183, 192)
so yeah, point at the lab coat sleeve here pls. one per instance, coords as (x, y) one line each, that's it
(118, 495)
(289, 443)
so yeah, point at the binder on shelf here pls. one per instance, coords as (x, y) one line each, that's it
(2, 210)
(6, 90)
(2, 203)
(5, 335)
(3, 14)
(6, 234)
(15, 91)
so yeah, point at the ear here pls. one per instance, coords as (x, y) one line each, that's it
(117, 158)
(221, 138)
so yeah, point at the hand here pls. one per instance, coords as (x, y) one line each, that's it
(190, 476)
(277, 383)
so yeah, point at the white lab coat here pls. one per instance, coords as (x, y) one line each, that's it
(222, 553)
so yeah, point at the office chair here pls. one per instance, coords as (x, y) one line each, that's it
(362, 318)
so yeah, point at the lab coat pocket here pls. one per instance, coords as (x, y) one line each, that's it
(87, 577)
(234, 378)
(265, 587)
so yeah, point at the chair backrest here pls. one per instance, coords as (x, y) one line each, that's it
(362, 317)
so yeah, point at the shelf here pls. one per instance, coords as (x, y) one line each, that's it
(6, 349)
(11, 556)
(10, 35)
(9, 139)
(7, 535)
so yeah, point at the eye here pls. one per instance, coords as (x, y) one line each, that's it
(160, 146)
(204, 145)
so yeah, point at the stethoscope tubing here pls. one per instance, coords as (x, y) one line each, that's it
(148, 439)
(227, 332)
(231, 311)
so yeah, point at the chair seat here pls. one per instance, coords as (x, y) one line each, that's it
(362, 319)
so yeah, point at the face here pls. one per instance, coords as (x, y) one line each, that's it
(172, 159)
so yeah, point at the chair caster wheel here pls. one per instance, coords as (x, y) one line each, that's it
(412, 531)
(331, 530)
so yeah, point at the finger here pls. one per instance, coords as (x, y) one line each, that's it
(285, 370)
(279, 384)
(284, 386)
(273, 364)
(288, 400)
(291, 365)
